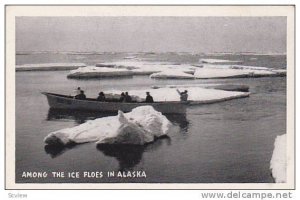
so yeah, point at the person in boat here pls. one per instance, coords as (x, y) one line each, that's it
(149, 98)
(183, 95)
(122, 98)
(127, 97)
(101, 97)
(75, 92)
(80, 96)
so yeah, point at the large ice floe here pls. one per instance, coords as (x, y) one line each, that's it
(218, 61)
(166, 70)
(140, 126)
(49, 66)
(235, 71)
(278, 163)
(147, 68)
(196, 95)
(98, 72)
(172, 74)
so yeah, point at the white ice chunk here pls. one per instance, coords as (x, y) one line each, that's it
(130, 57)
(218, 61)
(49, 66)
(234, 71)
(278, 162)
(235, 67)
(279, 72)
(147, 68)
(253, 58)
(142, 125)
(220, 73)
(93, 72)
(172, 74)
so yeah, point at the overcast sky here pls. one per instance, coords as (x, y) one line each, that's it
(135, 34)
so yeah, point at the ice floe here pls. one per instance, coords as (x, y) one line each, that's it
(148, 68)
(278, 163)
(234, 71)
(172, 74)
(130, 57)
(218, 61)
(49, 66)
(140, 126)
(196, 95)
(205, 73)
(166, 70)
(97, 72)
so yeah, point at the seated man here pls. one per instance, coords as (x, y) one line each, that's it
(81, 96)
(122, 98)
(128, 98)
(149, 98)
(101, 97)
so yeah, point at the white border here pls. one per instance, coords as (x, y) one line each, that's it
(13, 11)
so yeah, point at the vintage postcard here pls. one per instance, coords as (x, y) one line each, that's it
(149, 97)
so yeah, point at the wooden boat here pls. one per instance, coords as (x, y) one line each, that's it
(58, 101)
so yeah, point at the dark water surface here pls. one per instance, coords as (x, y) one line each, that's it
(227, 142)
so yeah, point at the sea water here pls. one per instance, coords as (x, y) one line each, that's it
(226, 142)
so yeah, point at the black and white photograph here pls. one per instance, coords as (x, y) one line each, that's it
(150, 99)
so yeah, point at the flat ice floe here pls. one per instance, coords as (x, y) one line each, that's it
(140, 126)
(49, 66)
(218, 61)
(165, 70)
(196, 95)
(234, 71)
(278, 163)
(205, 73)
(96, 72)
(147, 68)
(172, 74)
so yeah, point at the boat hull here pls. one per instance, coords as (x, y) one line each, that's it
(65, 102)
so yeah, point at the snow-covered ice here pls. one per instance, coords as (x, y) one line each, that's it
(140, 126)
(196, 95)
(205, 73)
(166, 70)
(172, 74)
(49, 66)
(130, 57)
(95, 72)
(234, 71)
(278, 163)
(147, 68)
(218, 61)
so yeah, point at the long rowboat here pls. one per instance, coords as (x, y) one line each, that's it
(59, 101)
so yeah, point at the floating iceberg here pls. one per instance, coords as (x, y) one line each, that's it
(98, 72)
(218, 61)
(49, 66)
(196, 95)
(172, 74)
(278, 162)
(140, 126)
